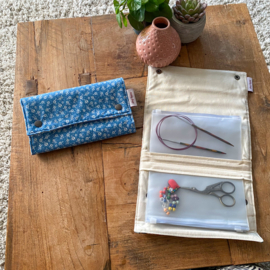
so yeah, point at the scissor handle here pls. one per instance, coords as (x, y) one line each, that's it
(230, 183)
(225, 204)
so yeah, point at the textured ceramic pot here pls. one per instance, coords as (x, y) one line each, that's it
(158, 45)
(188, 32)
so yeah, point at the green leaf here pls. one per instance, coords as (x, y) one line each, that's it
(116, 6)
(116, 3)
(165, 11)
(151, 7)
(149, 16)
(197, 8)
(184, 12)
(189, 4)
(134, 5)
(124, 19)
(138, 14)
(118, 18)
(144, 2)
(183, 4)
(167, 1)
(135, 24)
(157, 2)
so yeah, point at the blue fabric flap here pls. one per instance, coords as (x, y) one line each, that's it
(75, 105)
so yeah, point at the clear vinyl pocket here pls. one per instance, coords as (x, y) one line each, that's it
(196, 215)
(214, 136)
(203, 202)
(212, 148)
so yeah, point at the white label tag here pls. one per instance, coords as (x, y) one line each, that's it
(131, 98)
(250, 85)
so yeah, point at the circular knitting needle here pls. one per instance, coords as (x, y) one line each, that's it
(196, 146)
(211, 134)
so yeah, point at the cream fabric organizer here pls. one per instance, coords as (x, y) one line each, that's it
(196, 91)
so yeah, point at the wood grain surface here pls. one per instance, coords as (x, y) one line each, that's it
(75, 208)
(56, 216)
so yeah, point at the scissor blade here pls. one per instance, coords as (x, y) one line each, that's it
(194, 190)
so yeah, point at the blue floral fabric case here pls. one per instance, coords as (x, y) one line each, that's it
(77, 116)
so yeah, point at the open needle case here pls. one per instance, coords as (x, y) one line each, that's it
(215, 101)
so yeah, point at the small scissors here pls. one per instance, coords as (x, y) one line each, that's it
(218, 187)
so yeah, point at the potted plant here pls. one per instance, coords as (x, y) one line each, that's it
(141, 12)
(189, 19)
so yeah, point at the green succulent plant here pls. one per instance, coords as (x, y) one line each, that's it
(141, 12)
(189, 11)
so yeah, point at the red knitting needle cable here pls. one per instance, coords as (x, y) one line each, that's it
(180, 117)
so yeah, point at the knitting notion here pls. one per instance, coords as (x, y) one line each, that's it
(187, 145)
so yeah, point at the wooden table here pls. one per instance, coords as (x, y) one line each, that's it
(75, 208)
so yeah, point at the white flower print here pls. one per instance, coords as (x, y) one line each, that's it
(78, 115)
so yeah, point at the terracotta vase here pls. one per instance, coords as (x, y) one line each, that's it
(158, 45)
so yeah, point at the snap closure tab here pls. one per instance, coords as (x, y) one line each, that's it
(237, 77)
(118, 107)
(159, 71)
(38, 123)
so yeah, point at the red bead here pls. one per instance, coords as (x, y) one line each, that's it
(160, 195)
(173, 184)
